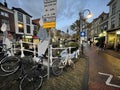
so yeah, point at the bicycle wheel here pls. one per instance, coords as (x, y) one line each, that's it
(57, 67)
(31, 82)
(10, 64)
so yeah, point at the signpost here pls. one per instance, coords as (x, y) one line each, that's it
(49, 21)
(82, 36)
(49, 14)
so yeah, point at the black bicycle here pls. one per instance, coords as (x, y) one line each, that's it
(8, 64)
(30, 78)
(33, 78)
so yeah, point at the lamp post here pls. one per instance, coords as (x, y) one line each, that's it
(82, 18)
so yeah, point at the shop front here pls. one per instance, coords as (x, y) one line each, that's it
(113, 39)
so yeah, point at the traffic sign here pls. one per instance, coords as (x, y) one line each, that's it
(49, 14)
(49, 25)
(82, 34)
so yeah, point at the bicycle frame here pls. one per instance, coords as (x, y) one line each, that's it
(66, 61)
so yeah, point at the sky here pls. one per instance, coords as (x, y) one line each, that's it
(67, 10)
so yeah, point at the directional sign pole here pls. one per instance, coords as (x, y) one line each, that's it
(49, 21)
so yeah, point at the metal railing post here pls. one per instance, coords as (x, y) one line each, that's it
(22, 48)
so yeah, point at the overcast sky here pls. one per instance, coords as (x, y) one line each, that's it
(67, 10)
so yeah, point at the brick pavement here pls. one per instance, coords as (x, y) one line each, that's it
(98, 63)
(100, 86)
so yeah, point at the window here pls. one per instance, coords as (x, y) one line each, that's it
(7, 23)
(27, 20)
(28, 24)
(113, 22)
(113, 8)
(4, 14)
(20, 17)
(28, 28)
(21, 27)
(119, 19)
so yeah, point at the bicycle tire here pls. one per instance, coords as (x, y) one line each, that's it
(57, 67)
(31, 82)
(10, 64)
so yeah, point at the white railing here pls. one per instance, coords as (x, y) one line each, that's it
(69, 52)
(35, 52)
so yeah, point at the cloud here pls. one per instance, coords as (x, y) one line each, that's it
(67, 10)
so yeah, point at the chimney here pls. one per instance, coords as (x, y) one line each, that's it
(5, 3)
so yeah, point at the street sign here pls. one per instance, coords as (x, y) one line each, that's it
(49, 24)
(82, 34)
(49, 14)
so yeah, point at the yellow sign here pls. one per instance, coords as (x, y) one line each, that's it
(49, 24)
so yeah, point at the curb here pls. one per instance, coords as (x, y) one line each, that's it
(86, 75)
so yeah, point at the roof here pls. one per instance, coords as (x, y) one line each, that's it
(21, 10)
(36, 21)
(103, 13)
(1, 4)
(5, 8)
(110, 2)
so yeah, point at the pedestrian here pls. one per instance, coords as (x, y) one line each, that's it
(102, 45)
(90, 43)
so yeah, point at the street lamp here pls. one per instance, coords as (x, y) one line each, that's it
(83, 18)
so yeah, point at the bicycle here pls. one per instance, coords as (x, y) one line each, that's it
(7, 63)
(33, 76)
(60, 63)
(33, 79)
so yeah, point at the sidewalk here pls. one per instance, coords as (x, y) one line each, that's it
(70, 79)
(113, 53)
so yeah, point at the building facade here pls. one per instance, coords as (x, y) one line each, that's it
(114, 24)
(23, 24)
(7, 17)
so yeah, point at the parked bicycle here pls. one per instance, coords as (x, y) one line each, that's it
(33, 78)
(7, 63)
(60, 63)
